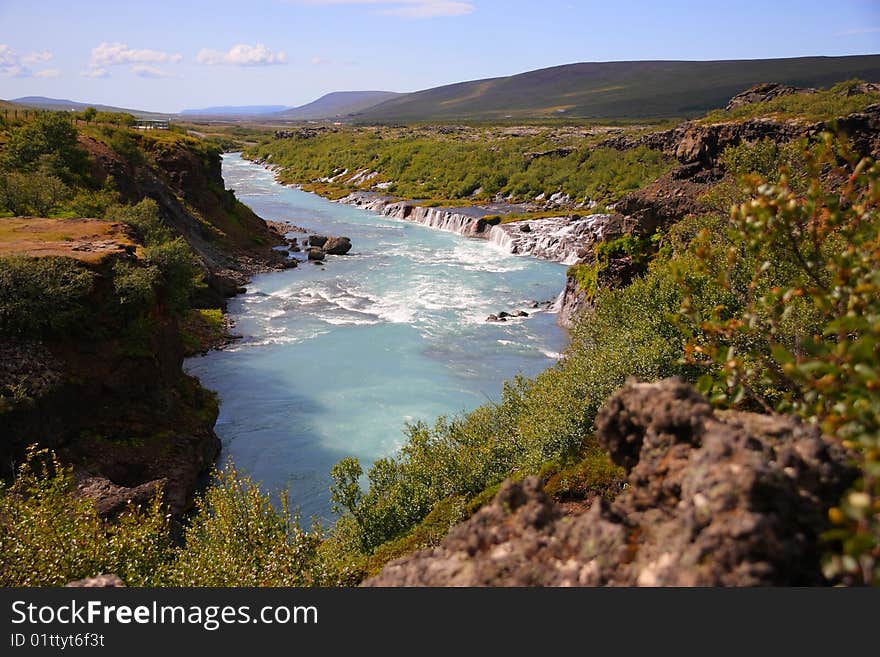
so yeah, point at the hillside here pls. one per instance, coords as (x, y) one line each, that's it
(637, 89)
(338, 103)
(62, 104)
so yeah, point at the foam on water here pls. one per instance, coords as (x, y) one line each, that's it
(334, 361)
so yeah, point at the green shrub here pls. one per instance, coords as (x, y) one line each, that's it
(50, 141)
(144, 218)
(179, 272)
(42, 297)
(806, 337)
(49, 536)
(32, 194)
(134, 286)
(238, 537)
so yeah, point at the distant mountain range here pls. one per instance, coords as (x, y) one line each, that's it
(602, 90)
(233, 110)
(62, 105)
(339, 104)
(616, 89)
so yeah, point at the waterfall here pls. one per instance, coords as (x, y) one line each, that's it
(553, 238)
(441, 219)
(560, 239)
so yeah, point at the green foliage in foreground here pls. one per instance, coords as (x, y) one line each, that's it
(237, 537)
(436, 167)
(811, 256)
(49, 536)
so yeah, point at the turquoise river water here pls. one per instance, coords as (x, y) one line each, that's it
(334, 361)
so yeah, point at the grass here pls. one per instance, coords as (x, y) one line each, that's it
(62, 237)
(824, 105)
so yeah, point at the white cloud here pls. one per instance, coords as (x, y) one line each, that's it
(115, 54)
(18, 66)
(36, 57)
(96, 73)
(407, 8)
(47, 73)
(147, 71)
(242, 55)
(119, 54)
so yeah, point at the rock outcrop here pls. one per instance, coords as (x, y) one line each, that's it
(761, 93)
(572, 302)
(100, 582)
(111, 499)
(337, 246)
(713, 499)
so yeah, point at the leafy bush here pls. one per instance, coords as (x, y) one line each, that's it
(32, 194)
(179, 273)
(134, 286)
(144, 218)
(43, 296)
(49, 139)
(239, 538)
(806, 267)
(49, 536)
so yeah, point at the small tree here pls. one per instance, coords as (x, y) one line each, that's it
(811, 261)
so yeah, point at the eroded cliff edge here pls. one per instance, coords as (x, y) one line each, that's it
(108, 393)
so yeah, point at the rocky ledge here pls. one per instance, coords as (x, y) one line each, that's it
(713, 499)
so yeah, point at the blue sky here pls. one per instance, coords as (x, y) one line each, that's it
(167, 56)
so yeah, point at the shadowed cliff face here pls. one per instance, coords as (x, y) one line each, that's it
(186, 182)
(713, 499)
(112, 398)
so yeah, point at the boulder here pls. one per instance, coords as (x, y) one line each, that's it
(317, 240)
(337, 245)
(316, 253)
(525, 228)
(111, 499)
(100, 581)
(714, 498)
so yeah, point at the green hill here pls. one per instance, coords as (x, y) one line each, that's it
(64, 105)
(617, 89)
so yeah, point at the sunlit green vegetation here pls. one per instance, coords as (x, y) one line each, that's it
(823, 105)
(473, 165)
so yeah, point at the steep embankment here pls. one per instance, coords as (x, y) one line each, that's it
(95, 321)
(697, 147)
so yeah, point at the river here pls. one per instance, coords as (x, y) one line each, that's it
(335, 360)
